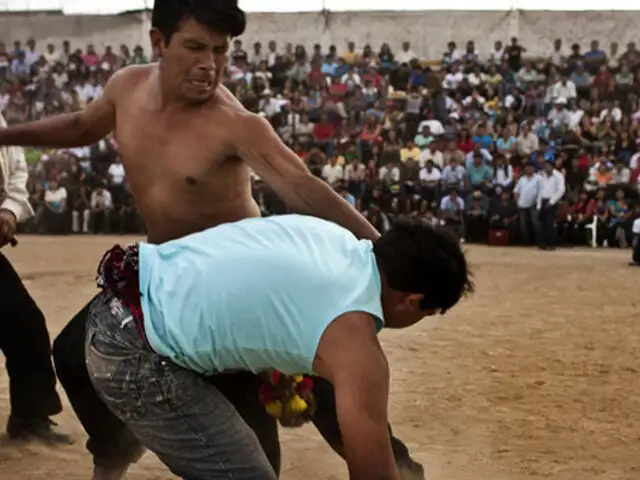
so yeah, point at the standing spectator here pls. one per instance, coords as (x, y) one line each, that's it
(551, 190)
(526, 193)
(24, 339)
(635, 259)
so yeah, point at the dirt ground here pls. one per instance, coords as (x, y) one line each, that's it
(534, 376)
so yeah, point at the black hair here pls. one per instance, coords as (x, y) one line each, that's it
(416, 257)
(222, 16)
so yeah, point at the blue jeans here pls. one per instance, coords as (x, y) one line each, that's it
(174, 412)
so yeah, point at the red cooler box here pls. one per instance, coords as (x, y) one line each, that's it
(498, 238)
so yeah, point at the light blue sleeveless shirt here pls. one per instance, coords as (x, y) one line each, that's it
(255, 294)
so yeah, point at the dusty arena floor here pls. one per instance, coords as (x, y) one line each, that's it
(535, 376)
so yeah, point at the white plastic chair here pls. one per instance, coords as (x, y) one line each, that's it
(593, 228)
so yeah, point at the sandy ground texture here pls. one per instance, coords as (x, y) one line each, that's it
(536, 376)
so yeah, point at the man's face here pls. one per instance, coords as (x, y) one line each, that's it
(194, 61)
(402, 309)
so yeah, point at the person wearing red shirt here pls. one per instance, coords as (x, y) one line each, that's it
(323, 133)
(465, 142)
(582, 213)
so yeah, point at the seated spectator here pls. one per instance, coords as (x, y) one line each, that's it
(506, 144)
(430, 182)
(410, 180)
(323, 134)
(81, 214)
(332, 172)
(485, 155)
(603, 175)
(370, 135)
(452, 213)
(479, 174)
(424, 138)
(101, 207)
(527, 141)
(454, 175)
(503, 214)
(602, 219)
(54, 208)
(475, 216)
(433, 154)
(482, 138)
(621, 175)
(582, 214)
(410, 151)
(502, 174)
(620, 220)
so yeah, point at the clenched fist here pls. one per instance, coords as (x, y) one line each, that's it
(8, 225)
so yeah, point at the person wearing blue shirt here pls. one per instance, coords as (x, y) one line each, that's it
(483, 138)
(595, 58)
(291, 294)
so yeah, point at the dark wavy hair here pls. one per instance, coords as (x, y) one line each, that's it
(223, 16)
(415, 257)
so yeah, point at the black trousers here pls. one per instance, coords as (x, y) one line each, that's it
(24, 341)
(110, 440)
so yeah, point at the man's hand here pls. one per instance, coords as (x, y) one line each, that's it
(349, 356)
(8, 225)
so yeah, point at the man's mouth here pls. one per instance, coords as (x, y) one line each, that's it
(203, 84)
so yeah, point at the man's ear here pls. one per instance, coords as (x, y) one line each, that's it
(157, 42)
(412, 301)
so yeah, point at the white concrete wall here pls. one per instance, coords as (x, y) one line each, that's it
(428, 31)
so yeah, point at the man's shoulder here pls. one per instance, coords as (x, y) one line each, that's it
(124, 80)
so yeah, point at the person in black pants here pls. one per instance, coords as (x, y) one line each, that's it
(114, 447)
(24, 339)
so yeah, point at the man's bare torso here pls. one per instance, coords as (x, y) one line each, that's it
(181, 165)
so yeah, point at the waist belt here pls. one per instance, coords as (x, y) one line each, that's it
(118, 276)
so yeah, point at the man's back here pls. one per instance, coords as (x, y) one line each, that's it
(254, 294)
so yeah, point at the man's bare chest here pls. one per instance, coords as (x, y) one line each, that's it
(152, 148)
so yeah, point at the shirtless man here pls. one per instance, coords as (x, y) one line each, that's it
(188, 147)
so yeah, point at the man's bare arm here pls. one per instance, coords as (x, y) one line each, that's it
(70, 129)
(349, 356)
(259, 146)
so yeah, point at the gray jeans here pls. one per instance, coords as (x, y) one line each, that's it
(174, 412)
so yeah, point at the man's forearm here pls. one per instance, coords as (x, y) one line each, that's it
(319, 199)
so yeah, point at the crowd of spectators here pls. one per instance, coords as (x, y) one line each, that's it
(495, 146)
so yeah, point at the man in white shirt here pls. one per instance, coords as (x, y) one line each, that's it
(116, 172)
(24, 339)
(552, 188)
(559, 114)
(430, 181)
(332, 172)
(527, 141)
(564, 88)
(431, 154)
(406, 55)
(453, 79)
(101, 205)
